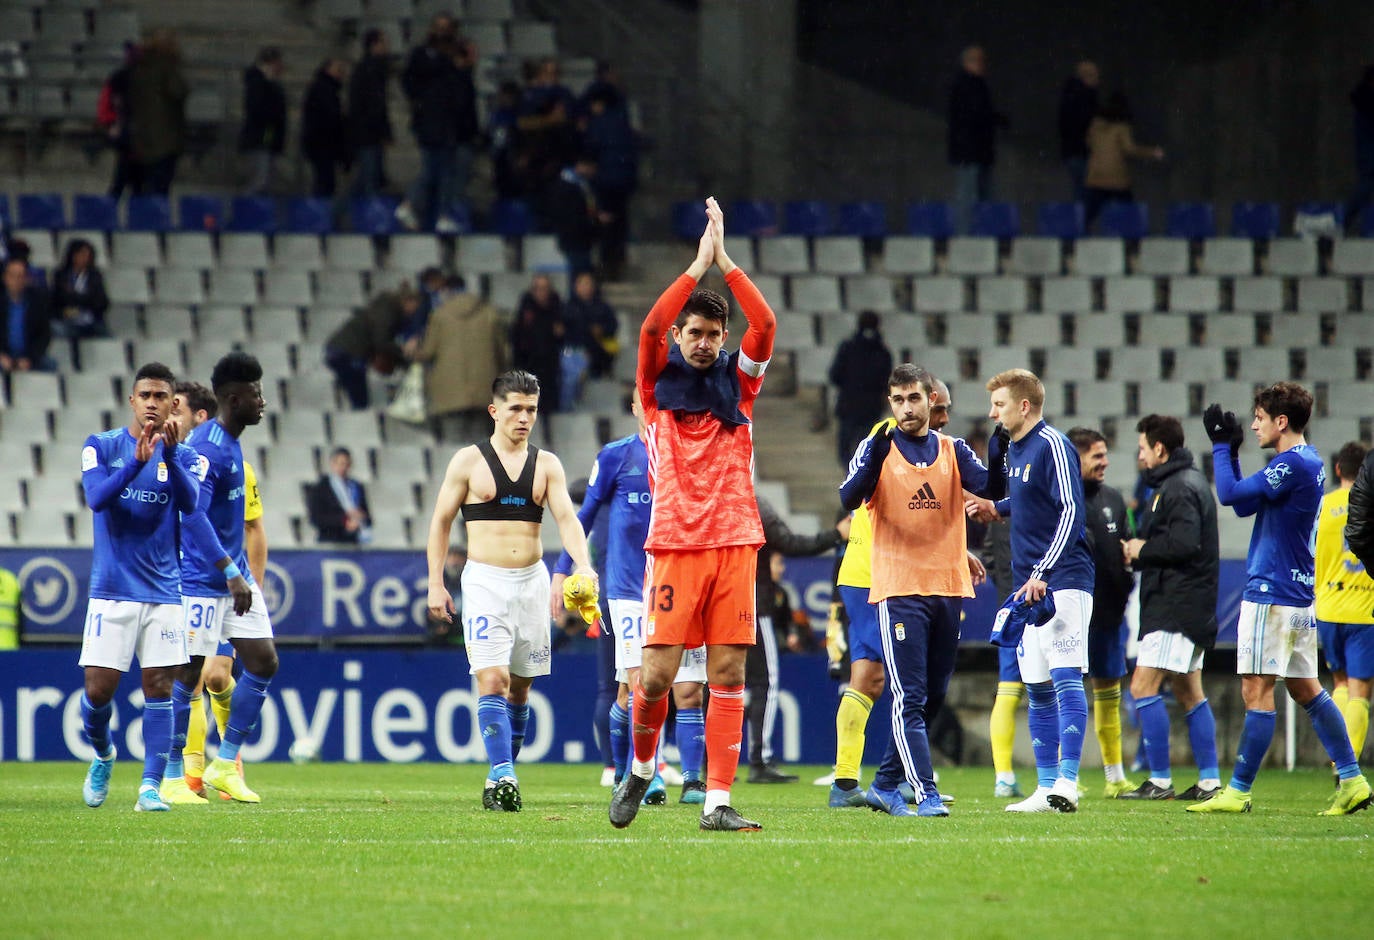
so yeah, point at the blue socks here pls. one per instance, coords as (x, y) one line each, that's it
(620, 739)
(1043, 718)
(249, 693)
(1255, 737)
(519, 720)
(181, 721)
(1154, 732)
(1072, 702)
(494, 719)
(1202, 734)
(1330, 727)
(691, 741)
(157, 739)
(96, 722)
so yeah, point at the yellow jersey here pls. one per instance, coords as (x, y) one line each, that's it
(1345, 592)
(252, 503)
(856, 567)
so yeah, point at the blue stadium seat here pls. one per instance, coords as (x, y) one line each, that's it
(307, 216)
(1259, 220)
(1061, 220)
(1129, 220)
(95, 212)
(5, 209)
(689, 219)
(996, 220)
(752, 217)
(513, 218)
(1367, 224)
(864, 219)
(253, 214)
(149, 214)
(809, 217)
(930, 219)
(42, 210)
(200, 213)
(1334, 209)
(461, 216)
(1194, 221)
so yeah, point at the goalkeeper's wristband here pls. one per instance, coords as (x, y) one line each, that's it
(231, 571)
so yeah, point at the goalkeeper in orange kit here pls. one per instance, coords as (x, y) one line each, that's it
(502, 486)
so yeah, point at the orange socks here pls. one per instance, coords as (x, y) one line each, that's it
(646, 722)
(724, 729)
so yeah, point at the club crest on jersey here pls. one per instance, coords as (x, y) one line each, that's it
(89, 459)
(924, 498)
(202, 466)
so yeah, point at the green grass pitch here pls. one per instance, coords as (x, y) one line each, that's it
(379, 851)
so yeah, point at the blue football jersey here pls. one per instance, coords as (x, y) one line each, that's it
(620, 480)
(1285, 498)
(219, 466)
(1049, 538)
(135, 516)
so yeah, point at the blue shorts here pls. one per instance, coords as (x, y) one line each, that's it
(1107, 653)
(1348, 648)
(864, 642)
(1007, 668)
(225, 648)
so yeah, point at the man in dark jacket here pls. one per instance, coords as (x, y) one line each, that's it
(263, 134)
(1108, 526)
(27, 329)
(368, 338)
(369, 125)
(573, 215)
(443, 116)
(761, 665)
(338, 503)
(613, 141)
(1359, 520)
(157, 112)
(973, 124)
(324, 134)
(859, 373)
(1177, 557)
(1077, 108)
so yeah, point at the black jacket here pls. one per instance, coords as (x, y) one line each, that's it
(264, 112)
(779, 539)
(37, 326)
(1077, 108)
(324, 136)
(327, 514)
(1178, 563)
(859, 373)
(1107, 525)
(70, 291)
(1359, 517)
(443, 100)
(369, 124)
(973, 122)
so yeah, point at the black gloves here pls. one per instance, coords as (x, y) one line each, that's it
(879, 443)
(997, 448)
(1223, 428)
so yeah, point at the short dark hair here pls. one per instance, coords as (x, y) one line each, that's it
(235, 367)
(908, 374)
(157, 372)
(1288, 399)
(868, 320)
(514, 382)
(1161, 429)
(198, 397)
(1347, 460)
(371, 38)
(1083, 438)
(704, 302)
(340, 452)
(268, 55)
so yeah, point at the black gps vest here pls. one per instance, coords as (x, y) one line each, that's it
(514, 500)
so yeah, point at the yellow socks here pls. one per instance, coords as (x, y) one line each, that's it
(1002, 724)
(194, 753)
(1107, 723)
(851, 718)
(1356, 712)
(1340, 695)
(219, 704)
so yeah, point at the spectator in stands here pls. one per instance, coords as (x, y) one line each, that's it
(369, 124)
(612, 141)
(464, 348)
(112, 114)
(1362, 100)
(859, 373)
(324, 132)
(368, 339)
(157, 111)
(443, 117)
(573, 214)
(548, 131)
(27, 333)
(263, 135)
(78, 293)
(503, 131)
(1110, 147)
(536, 335)
(1077, 108)
(338, 504)
(589, 317)
(973, 124)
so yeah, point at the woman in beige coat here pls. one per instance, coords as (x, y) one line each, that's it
(464, 348)
(1110, 147)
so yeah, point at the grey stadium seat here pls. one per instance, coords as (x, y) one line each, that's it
(1066, 295)
(964, 255)
(1227, 257)
(784, 254)
(814, 292)
(908, 254)
(1002, 294)
(243, 250)
(1323, 294)
(1257, 293)
(1034, 255)
(1164, 256)
(839, 254)
(1291, 257)
(1130, 294)
(1187, 294)
(869, 292)
(939, 294)
(1352, 256)
(1098, 257)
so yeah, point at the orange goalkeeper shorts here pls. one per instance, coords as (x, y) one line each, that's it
(705, 597)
